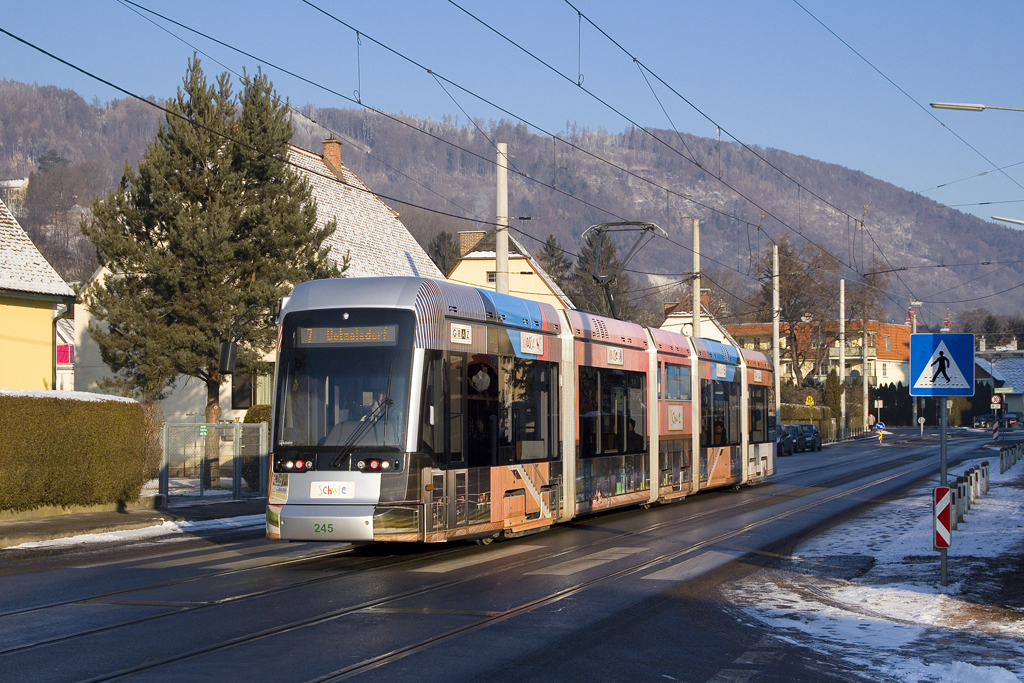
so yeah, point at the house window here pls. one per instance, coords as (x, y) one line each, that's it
(757, 343)
(241, 391)
(492, 277)
(888, 343)
(884, 367)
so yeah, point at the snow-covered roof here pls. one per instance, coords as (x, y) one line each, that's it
(22, 267)
(1009, 371)
(378, 243)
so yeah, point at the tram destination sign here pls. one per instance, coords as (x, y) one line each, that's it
(364, 335)
(942, 364)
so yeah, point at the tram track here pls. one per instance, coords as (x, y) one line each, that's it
(555, 596)
(389, 563)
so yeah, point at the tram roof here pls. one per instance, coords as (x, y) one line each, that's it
(452, 300)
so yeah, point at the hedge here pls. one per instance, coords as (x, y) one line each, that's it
(61, 450)
(820, 416)
(258, 413)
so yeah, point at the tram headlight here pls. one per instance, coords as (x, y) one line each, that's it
(289, 465)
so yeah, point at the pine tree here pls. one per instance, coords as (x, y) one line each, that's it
(555, 263)
(444, 251)
(834, 395)
(213, 223)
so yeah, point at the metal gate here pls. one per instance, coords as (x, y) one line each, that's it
(222, 459)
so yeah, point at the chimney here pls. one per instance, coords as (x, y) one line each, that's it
(704, 299)
(981, 344)
(332, 155)
(468, 240)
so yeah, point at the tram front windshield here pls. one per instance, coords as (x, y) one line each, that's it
(341, 370)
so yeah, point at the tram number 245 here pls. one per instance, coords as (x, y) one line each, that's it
(323, 528)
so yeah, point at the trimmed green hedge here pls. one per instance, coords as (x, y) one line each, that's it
(64, 452)
(258, 413)
(819, 416)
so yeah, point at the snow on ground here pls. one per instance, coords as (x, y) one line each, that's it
(148, 533)
(868, 591)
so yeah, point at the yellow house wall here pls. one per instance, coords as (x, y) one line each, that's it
(26, 344)
(473, 272)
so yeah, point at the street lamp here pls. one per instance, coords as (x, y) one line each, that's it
(959, 106)
(969, 107)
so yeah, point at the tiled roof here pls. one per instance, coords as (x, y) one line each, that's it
(22, 267)
(378, 243)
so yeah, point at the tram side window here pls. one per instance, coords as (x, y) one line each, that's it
(613, 412)
(531, 389)
(720, 413)
(677, 383)
(510, 411)
(432, 423)
(758, 414)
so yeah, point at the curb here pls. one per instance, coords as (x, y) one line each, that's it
(17, 539)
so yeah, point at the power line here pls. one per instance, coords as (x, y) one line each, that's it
(908, 96)
(745, 146)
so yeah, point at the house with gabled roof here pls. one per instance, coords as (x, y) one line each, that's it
(526, 278)
(369, 235)
(32, 299)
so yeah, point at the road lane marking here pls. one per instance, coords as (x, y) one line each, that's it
(295, 554)
(481, 557)
(210, 557)
(587, 562)
(696, 566)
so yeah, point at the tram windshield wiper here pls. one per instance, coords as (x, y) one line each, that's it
(380, 411)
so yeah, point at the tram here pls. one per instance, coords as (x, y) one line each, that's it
(411, 409)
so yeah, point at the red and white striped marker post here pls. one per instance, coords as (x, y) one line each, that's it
(941, 518)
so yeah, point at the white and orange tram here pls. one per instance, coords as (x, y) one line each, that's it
(410, 409)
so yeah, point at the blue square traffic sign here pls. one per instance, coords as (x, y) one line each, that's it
(942, 365)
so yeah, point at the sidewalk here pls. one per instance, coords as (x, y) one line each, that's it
(179, 509)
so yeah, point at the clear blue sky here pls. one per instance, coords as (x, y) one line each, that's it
(765, 70)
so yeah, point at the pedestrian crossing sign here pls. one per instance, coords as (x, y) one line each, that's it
(942, 364)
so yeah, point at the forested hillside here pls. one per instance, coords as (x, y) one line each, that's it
(586, 177)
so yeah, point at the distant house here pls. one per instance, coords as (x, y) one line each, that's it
(13, 194)
(32, 295)
(368, 233)
(888, 348)
(526, 278)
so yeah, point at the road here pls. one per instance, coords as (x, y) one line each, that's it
(626, 595)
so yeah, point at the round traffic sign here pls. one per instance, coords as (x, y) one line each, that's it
(996, 398)
(920, 420)
(879, 426)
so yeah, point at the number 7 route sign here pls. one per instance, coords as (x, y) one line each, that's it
(942, 365)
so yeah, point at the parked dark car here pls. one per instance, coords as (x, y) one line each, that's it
(984, 421)
(799, 440)
(784, 442)
(812, 435)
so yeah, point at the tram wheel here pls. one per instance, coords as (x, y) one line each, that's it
(486, 540)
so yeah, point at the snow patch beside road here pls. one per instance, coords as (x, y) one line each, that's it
(868, 590)
(150, 532)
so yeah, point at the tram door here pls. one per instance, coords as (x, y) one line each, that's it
(449, 501)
